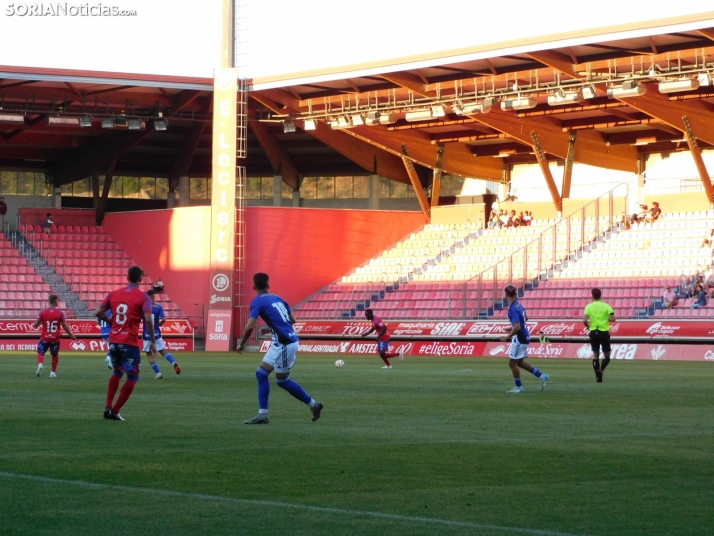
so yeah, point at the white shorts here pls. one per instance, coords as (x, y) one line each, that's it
(281, 356)
(159, 345)
(518, 350)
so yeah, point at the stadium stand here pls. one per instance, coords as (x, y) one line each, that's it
(89, 261)
(445, 272)
(23, 293)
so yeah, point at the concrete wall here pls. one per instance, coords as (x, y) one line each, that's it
(14, 202)
(684, 202)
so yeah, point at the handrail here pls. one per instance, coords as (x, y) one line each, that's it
(544, 259)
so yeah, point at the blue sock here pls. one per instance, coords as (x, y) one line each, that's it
(295, 389)
(155, 366)
(537, 373)
(518, 381)
(170, 358)
(263, 388)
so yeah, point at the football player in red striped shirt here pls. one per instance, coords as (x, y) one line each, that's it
(383, 338)
(50, 320)
(128, 306)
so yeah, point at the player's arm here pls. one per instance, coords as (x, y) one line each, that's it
(68, 330)
(162, 317)
(292, 318)
(515, 328)
(382, 331)
(611, 317)
(586, 320)
(370, 330)
(37, 323)
(249, 327)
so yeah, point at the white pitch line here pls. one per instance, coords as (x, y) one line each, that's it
(251, 502)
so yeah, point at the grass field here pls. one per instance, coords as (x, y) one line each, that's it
(434, 446)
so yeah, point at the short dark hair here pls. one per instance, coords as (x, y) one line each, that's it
(510, 291)
(48, 214)
(134, 274)
(368, 311)
(53, 299)
(596, 293)
(260, 281)
(150, 293)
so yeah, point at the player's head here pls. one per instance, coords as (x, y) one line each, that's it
(48, 214)
(261, 282)
(53, 300)
(369, 315)
(134, 275)
(510, 292)
(151, 294)
(596, 293)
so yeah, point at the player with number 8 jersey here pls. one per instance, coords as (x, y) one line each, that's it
(128, 306)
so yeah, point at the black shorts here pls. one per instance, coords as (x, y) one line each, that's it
(598, 339)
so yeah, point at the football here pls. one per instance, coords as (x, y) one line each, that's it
(339, 363)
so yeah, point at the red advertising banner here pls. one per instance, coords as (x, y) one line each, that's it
(88, 328)
(569, 350)
(629, 329)
(223, 203)
(183, 344)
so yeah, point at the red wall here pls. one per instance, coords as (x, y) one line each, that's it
(170, 244)
(301, 249)
(61, 216)
(305, 249)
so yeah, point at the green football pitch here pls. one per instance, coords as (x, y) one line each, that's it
(433, 446)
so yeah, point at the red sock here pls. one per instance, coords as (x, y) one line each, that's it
(124, 394)
(391, 354)
(55, 360)
(40, 359)
(112, 389)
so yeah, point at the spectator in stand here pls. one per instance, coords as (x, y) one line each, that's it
(685, 287)
(158, 286)
(707, 240)
(493, 221)
(48, 224)
(504, 218)
(654, 213)
(641, 215)
(3, 211)
(512, 219)
(527, 218)
(701, 298)
(669, 298)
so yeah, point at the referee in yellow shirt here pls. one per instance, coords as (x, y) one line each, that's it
(598, 316)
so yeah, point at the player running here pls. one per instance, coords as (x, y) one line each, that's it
(105, 328)
(128, 305)
(283, 350)
(521, 340)
(159, 318)
(383, 339)
(597, 318)
(51, 319)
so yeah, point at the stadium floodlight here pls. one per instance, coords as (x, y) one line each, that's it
(629, 88)
(63, 121)
(589, 92)
(438, 110)
(704, 79)
(357, 120)
(683, 84)
(107, 122)
(457, 108)
(372, 118)
(85, 121)
(310, 124)
(520, 103)
(289, 126)
(561, 97)
(473, 108)
(134, 123)
(12, 118)
(343, 121)
(419, 115)
(161, 124)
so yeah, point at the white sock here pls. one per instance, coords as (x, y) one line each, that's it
(312, 403)
(262, 412)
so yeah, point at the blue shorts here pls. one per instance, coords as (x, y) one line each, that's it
(383, 346)
(43, 346)
(125, 358)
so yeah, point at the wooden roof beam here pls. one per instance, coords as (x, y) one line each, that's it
(411, 82)
(278, 157)
(590, 149)
(558, 61)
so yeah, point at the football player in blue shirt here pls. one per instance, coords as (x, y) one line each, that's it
(159, 318)
(105, 327)
(283, 350)
(521, 340)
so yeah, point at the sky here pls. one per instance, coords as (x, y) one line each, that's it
(182, 38)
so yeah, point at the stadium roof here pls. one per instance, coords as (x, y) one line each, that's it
(609, 132)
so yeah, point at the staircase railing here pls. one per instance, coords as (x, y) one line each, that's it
(549, 252)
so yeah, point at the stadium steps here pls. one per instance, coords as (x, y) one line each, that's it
(58, 285)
